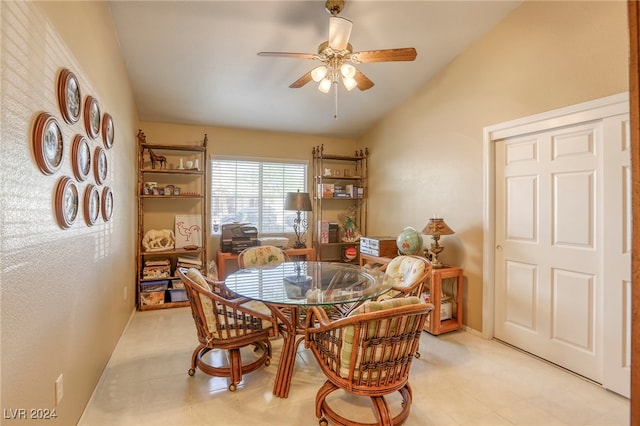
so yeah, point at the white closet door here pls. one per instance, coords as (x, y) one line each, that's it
(617, 255)
(548, 275)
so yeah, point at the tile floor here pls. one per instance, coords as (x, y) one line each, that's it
(461, 379)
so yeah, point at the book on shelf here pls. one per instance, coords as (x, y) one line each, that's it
(157, 262)
(190, 260)
(161, 271)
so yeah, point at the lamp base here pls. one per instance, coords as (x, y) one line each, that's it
(436, 264)
(299, 244)
(436, 249)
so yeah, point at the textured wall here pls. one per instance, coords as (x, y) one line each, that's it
(62, 292)
(427, 157)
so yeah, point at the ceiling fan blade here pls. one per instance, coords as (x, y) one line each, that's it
(301, 81)
(385, 55)
(339, 32)
(289, 55)
(363, 81)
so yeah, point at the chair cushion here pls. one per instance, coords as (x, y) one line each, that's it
(212, 309)
(196, 276)
(207, 304)
(348, 335)
(262, 255)
(404, 270)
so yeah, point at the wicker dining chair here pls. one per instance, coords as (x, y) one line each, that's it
(408, 276)
(224, 321)
(261, 256)
(368, 354)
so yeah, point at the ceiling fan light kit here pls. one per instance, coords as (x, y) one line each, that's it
(337, 57)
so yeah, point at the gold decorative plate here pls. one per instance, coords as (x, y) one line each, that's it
(81, 157)
(48, 146)
(66, 202)
(92, 117)
(69, 98)
(91, 204)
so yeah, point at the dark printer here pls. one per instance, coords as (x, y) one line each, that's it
(237, 237)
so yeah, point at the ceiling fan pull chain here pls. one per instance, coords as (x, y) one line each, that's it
(335, 87)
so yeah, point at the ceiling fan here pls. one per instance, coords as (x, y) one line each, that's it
(338, 58)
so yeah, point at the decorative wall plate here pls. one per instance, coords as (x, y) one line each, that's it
(47, 143)
(100, 165)
(91, 204)
(107, 130)
(66, 202)
(81, 157)
(92, 117)
(69, 97)
(107, 203)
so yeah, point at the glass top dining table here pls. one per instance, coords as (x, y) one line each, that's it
(308, 283)
(290, 287)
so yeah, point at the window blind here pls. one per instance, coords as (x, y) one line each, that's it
(252, 191)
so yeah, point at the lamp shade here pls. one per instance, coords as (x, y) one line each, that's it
(298, 201)
(437, 226)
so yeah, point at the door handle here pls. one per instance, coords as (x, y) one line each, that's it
(499, 247)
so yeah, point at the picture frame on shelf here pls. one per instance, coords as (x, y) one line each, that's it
(48, 146)
(69, 96)
(188, 230)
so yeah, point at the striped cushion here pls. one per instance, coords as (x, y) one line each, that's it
(348, 335)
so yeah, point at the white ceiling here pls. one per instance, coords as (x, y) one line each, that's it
(195, 62)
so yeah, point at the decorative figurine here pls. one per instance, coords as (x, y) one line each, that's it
(159, 158)
(141, 137)
(158, 240)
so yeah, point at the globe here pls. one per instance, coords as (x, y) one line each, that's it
(409, 241)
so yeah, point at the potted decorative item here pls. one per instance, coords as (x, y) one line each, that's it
(350, 233)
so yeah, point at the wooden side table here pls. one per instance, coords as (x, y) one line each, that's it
(435, 325)
(293, 253)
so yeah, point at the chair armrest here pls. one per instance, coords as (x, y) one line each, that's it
(236, 303)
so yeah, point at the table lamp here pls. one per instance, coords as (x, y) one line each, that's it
(299, 202)
(435, 228)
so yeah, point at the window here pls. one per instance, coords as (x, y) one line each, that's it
(253, 191)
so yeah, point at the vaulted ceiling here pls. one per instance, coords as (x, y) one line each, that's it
(196, 62)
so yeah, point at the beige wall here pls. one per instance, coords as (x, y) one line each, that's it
(427, 157)
(63, 291)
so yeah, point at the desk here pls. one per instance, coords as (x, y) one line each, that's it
(293, 253)
(288, 287)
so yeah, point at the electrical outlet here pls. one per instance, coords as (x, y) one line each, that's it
(59, 389)
(125, 293)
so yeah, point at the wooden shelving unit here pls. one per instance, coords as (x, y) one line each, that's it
(347, 176)
(157, 210)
